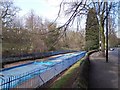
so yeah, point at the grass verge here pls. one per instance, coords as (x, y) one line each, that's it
(64, 80)
(78, 72)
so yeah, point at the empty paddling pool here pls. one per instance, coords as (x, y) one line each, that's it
(34, 74)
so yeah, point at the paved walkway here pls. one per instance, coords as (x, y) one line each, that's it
(102, 74)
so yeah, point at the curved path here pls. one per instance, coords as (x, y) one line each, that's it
(102, 74)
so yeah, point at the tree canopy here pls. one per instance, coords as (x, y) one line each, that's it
(79, 9)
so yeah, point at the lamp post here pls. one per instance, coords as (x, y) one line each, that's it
(107, 32)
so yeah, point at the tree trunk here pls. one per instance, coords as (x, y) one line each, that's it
(102, 39)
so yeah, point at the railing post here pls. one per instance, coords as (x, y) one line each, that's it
(8, 83)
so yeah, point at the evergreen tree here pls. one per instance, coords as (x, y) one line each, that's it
(92, 30)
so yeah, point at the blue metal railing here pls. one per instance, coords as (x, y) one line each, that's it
(14, 81)
(35, 55)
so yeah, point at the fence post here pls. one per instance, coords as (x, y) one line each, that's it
(8, 83)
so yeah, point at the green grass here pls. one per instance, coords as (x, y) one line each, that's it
(66, 76)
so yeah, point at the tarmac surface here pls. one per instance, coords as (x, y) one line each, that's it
(102, 74)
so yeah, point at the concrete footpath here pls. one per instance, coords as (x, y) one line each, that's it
(102, 74)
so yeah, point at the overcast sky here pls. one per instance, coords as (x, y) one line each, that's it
(44, 8)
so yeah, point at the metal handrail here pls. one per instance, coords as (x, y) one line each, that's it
(33, 73)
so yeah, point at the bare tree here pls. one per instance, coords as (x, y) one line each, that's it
(79, 8)
(35, 26)
(8, 11)
(17, 22)
(112, 33)
(77, 40)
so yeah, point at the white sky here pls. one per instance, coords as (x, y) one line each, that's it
(44, 8)
(41, 7)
